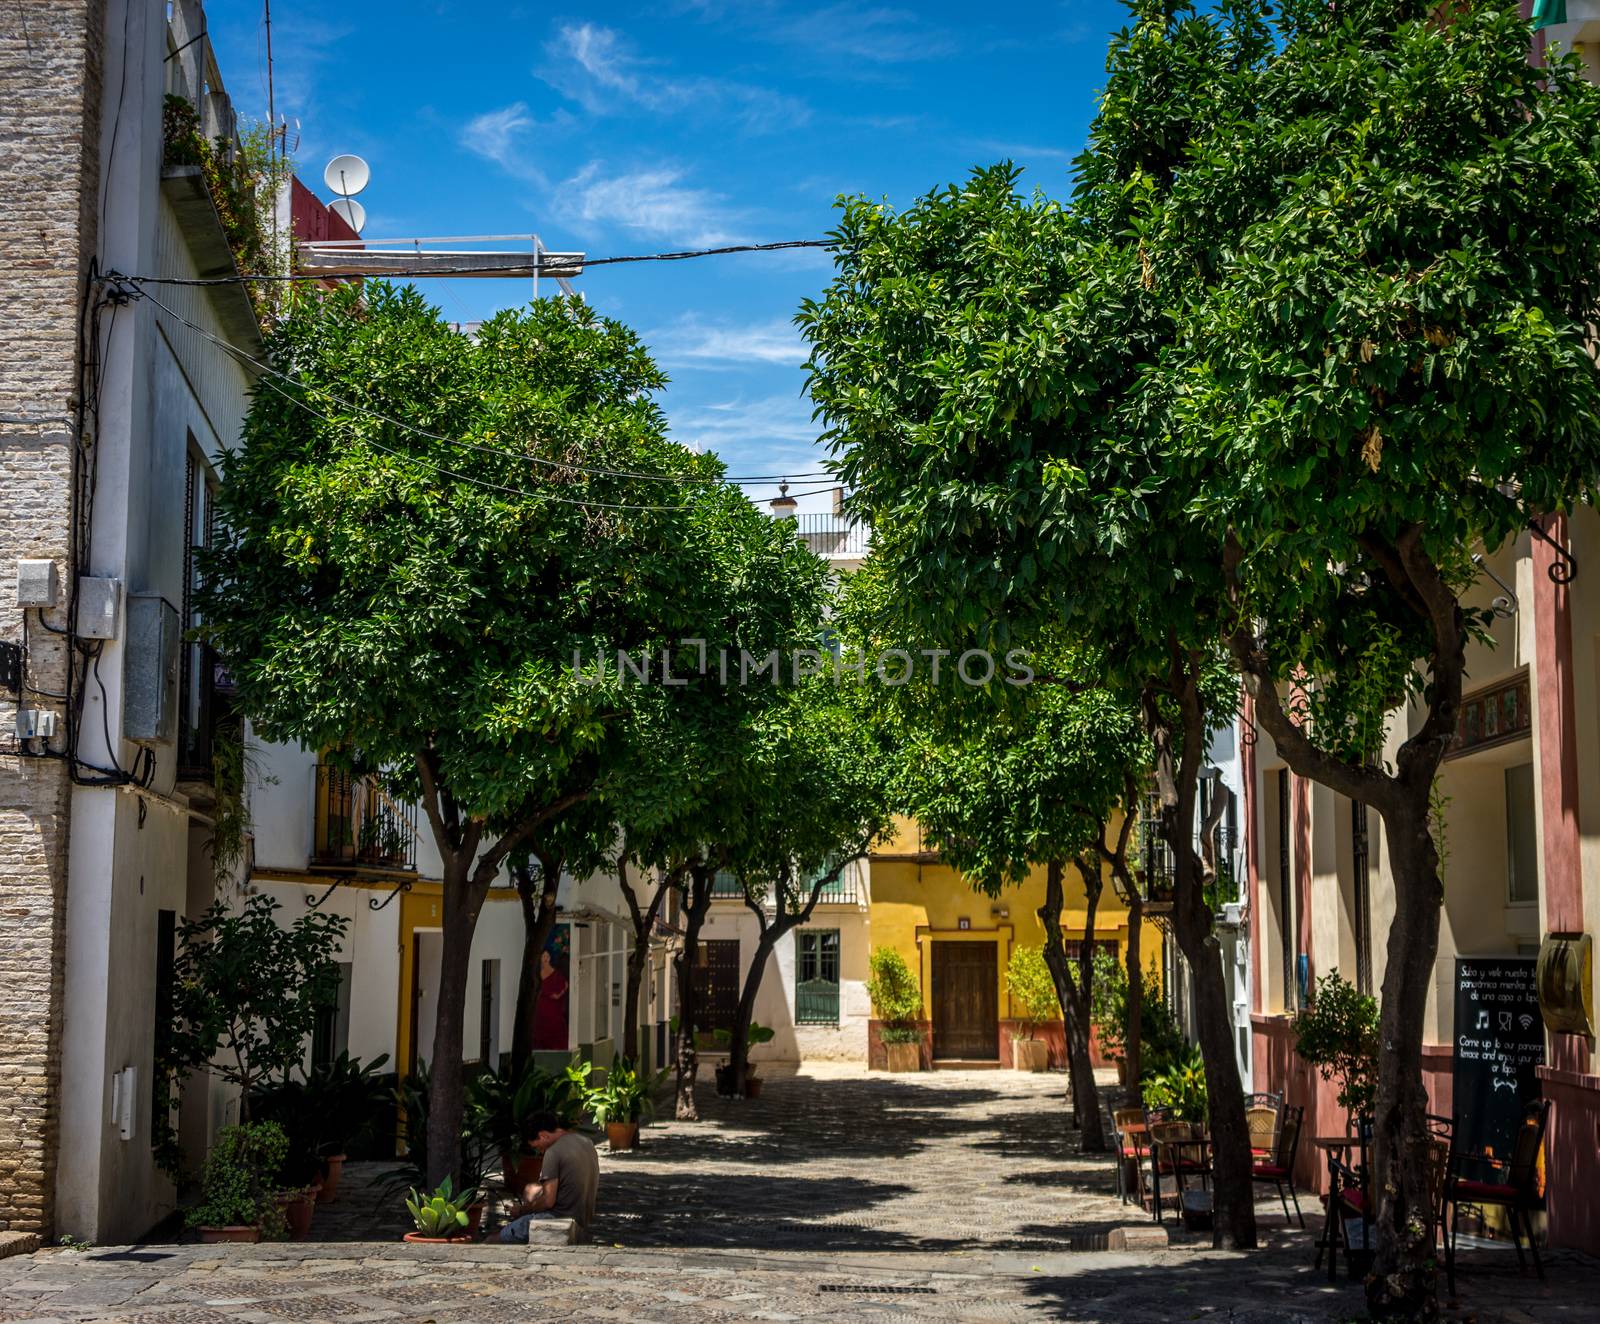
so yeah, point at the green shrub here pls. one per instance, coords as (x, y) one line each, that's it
(1338, 1034)
(1029, 981)
(895, 993)
(1179, 1085)
(240, 1179)
(1160, 1037)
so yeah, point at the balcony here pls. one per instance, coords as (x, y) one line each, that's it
(359, 825)
(841, 892)
(833, 536)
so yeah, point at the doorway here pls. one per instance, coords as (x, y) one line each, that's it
(966, 1001)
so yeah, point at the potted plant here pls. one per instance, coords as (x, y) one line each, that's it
(236, 1201)
(345, 1097)
(1108, 1012)
(754, 1036)
(1338, 1034)
(897, 1004)
(1178, 1084)
(1029, 983)
(442, 1217)
(626, 1098)
(498, 1108)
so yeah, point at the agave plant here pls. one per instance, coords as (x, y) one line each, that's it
(443, 1214)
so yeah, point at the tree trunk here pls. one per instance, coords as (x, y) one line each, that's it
(1179, 756)
(643, 920)
(698, 899)
(1403, 1284)
(1133, 1047)
(538, 922)
(463, 898)
(738, 1049)
(1074, 1015)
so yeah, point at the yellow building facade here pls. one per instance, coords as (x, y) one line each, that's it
(957, 941)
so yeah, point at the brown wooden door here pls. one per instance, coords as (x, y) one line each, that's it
(966, 1001)
(717, 982)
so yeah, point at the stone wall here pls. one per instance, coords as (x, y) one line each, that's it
(50, 94)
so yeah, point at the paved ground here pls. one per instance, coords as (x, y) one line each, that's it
(837, 1196)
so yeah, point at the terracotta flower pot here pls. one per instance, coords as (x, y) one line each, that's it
(1030, 1054)
(298, 1206)
(622, 1135)
(475, 1217)
(332, 1171)
(460, 1239)
(212, 1236)
(523, 1171)
(752, 1087)
(1122, 1071)
(903, 1057)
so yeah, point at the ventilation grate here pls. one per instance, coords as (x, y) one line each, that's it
(869, 1289)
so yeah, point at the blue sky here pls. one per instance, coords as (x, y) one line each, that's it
(631, 129)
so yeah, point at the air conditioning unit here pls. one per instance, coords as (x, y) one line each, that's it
(151, 662)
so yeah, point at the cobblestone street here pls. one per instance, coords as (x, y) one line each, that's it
(836, 1196)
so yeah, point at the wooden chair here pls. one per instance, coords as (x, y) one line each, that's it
(1170, 1154)
(1278, 1167)
(1263, 1121)
(1516, 1191)
(1132, 1150)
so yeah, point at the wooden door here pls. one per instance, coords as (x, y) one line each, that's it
(966, 1001)
(717, 982)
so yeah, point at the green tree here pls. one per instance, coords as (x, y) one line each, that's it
(246, 992)
(1315, 328)
(813, 798)
(419, 535)
(1382, 271)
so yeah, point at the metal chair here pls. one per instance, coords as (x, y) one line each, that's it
(1278, 1168)
(1132, 1150)
(1517, 1194)
(1349, 1196)
(1170, 1143)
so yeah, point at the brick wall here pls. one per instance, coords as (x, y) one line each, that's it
(50, 92)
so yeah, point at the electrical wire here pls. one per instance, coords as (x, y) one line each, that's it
(590, 470)
(519, 268)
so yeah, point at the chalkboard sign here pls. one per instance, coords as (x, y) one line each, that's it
(1499, 1043)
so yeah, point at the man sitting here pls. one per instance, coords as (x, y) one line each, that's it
(568, 1180)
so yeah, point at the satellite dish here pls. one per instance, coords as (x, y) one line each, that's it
(351, 212)
(347, 175)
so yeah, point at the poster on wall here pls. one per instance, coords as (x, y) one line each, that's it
(1499, 1044)
(550, 1015)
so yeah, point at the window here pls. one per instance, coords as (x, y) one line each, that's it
(166, 953)
(196, 684)
(816, 977)
(330, 1036)
(1359, 855)
(489, 1016)
(1522, 853)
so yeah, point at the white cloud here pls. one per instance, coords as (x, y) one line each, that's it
(692, 341)
(497, 135)
(594, 67)
(653, 202)
(777, 426)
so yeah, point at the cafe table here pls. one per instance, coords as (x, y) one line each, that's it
(1333, 1147)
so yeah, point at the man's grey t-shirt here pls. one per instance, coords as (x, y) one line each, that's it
(574, 1166)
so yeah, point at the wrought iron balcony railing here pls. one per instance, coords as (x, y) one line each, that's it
(833, 535)
(359, 823)
(840, 892)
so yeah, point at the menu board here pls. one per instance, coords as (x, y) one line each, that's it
(1499, 1043)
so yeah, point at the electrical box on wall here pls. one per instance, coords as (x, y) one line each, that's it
(150, 670)
(125, 1102)
(99, 606)
(36, 583)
